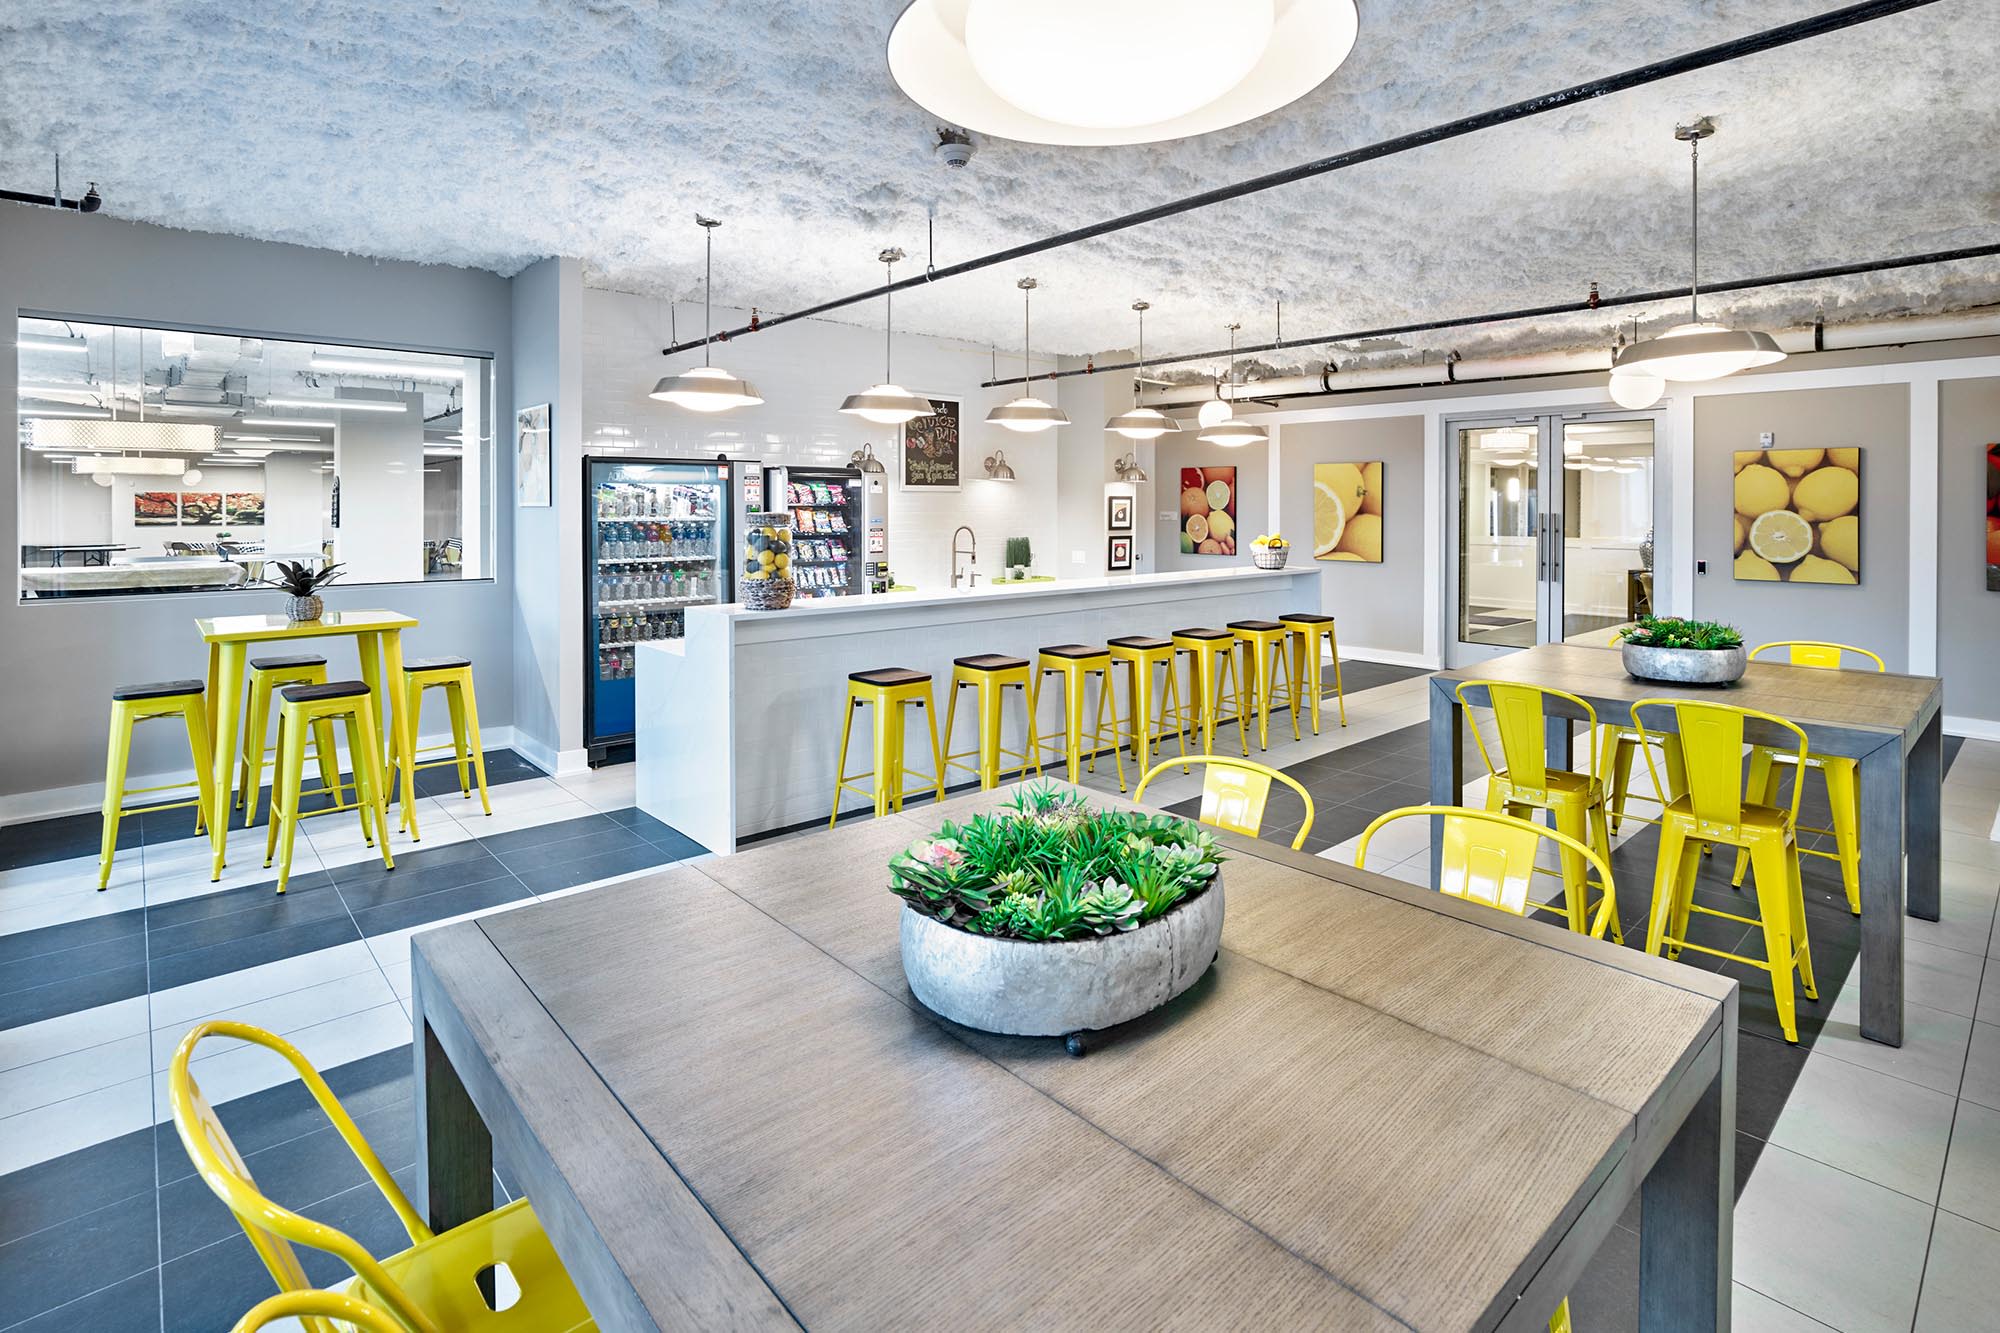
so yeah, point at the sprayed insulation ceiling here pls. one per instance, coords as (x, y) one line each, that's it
(489, 135)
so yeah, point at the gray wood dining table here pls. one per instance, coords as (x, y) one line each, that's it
(1892, 723)
(1382, 1108)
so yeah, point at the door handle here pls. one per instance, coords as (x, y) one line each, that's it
(1555, 531)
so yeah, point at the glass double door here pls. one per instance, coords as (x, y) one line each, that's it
(1552, 527)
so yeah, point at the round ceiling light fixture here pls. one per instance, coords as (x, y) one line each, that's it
(1026, 413)
(1229, 432)
(888, 403)
(1141, 422)
(1114, 71)
(705, 388)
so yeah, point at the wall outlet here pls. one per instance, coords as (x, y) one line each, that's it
(1078, 558)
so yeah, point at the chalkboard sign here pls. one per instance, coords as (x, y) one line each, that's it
(930, 449)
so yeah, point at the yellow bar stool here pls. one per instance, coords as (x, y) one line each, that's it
(1306, 628)
(453, 675)
(131, 705)
(1264, 656)
(1525, 782)
(1234, 793)
(889, 690)
(1843, 775)
(1715, 810)
(1143, 656)
(431, 1287)
(304, 707)
(992, 674)
(1076, 663)
(268, 674)
(1213, 682)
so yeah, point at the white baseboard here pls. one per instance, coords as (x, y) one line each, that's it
(1388, 657)
(1972, 728)
(23, 807)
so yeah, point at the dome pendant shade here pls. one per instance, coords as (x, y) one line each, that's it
(1233, 434)
(1027, 414)
(1142, 423)
(705, 389)
(1213, 413)
(888, 405)
(1636, 389)
(1691, 353)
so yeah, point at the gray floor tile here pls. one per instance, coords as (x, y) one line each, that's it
(1958, 1281)
(1946, 979)
(1972, 1171)
(1754, 1312)
(1982, 1066)
(1932, 1053)
(1868, 1124)
(1988, 1009)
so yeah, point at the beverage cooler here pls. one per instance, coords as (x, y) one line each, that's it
(660, 535)
(829, 515)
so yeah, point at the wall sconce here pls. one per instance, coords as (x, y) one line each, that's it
(997, 469)
(864, 460)
(1128, 469)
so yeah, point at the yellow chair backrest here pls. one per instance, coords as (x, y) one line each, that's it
(1712, 739)
(1234, 793)
(1816, 653)
(1519, 711)
(1489, 857)
(272, 1228)
(313, 1307)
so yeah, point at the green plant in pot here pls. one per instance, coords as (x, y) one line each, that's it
(303, 582)
(1020, 555)
(1682, 652)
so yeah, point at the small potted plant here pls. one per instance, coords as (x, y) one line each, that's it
(1270, 550)
(1682, 652)
(1020, 555)
(303, 582)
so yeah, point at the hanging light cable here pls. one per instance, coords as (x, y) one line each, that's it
(1026, 413)
(706, 388)
(1695, 351)
(1141, 423)
(1229, 432)
(888, 403)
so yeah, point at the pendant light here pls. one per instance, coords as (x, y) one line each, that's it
(1215, 411)
(1026, 413)
(1229, 432)
(888, 403)
(1694, 351)
(706, 388)
(1141, 423)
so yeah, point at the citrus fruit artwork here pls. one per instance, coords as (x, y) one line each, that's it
(1208, 511)
(1347, 512)
(1993, 518)
(1798, 515)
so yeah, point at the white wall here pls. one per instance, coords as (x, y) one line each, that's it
(296, 502)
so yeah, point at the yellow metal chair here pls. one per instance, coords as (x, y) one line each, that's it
(131, 705)
(432, 1287)
(1076, 663)
(1306, 629)
(1574, 801)
(1492, 859)
(1143, 656)
(992, 674)
(306, 708)
(1214, 683)
(1616, 746)
(1234, 793)
(1714, 810)
(888, 690)
(1843, 775)
(312, 1309)
(453, 675)
(1264, 656)
(268, 674)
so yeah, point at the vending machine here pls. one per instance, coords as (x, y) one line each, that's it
(659, 536)
(828, 522)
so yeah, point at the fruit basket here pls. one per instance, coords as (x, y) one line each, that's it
(1270, 551)
(766, 582)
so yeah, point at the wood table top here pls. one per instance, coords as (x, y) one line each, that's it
(1383, 1108)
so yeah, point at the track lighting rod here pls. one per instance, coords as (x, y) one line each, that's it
(1595, 301)
(1785, 34)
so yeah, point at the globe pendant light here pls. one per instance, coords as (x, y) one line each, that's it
(1229, 432)
(1026, 413)
(1141, 423)
(1694, 351)
(888, 403)
(706, 388)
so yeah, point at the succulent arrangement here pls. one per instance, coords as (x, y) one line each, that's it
(1674, 632)
(1046, 867)
(301, 579)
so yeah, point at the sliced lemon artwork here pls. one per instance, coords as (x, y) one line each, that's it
(1798, 515)
(1329, 520)
(1781, 537)
(1347, 512)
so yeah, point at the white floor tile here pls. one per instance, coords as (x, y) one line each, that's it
(76, 875)
(1988, 1008)
(1958, 1281)
(284, 1013)
(1868, 1124)
(65, 1126)
(180, 1006)
(58, 909)
(1972, 1172)
(33, 1042)
(1933, 1050)
(1982, 1066)
(243, 1070)
(1754, 1312)
(1946, 979)
(525, 815)
(180, 871)
(1968, 850)
(609, 788)
(64, 1076)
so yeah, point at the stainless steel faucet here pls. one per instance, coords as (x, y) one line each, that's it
(972, 557)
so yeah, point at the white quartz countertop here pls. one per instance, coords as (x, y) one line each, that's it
(960, 597)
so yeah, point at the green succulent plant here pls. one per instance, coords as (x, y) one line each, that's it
(1674, 632)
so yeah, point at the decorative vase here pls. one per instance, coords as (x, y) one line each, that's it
(1057, 988)
(1684, 666)
(1646, 550)
(304, 608)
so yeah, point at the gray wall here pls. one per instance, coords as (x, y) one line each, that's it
(1377, 606)
(1968, 615)
(536, 641)
(1874, 614)
(1253, 497)
(60, 658)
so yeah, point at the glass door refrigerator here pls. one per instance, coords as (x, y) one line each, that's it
(658, 533)
(826, 505)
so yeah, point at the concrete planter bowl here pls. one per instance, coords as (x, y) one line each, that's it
(1684, 666)
(1062, 988)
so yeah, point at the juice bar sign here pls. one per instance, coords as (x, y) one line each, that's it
(930, 449)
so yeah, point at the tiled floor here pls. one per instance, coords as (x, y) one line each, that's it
(1868, 1177)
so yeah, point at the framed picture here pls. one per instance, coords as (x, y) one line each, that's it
(1347, 512)
(532, 478)
(1993, 518)
(1798, 516)
(1208, 511)
(203, 508)
(931, 449)
(152, 509)
(1118, 513)
(1118, 554)
(244, 509)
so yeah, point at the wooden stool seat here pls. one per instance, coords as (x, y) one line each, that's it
(990, 662)
(159, 689)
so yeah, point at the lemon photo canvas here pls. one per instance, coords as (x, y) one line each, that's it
(1798, 515)
(1347, 512)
